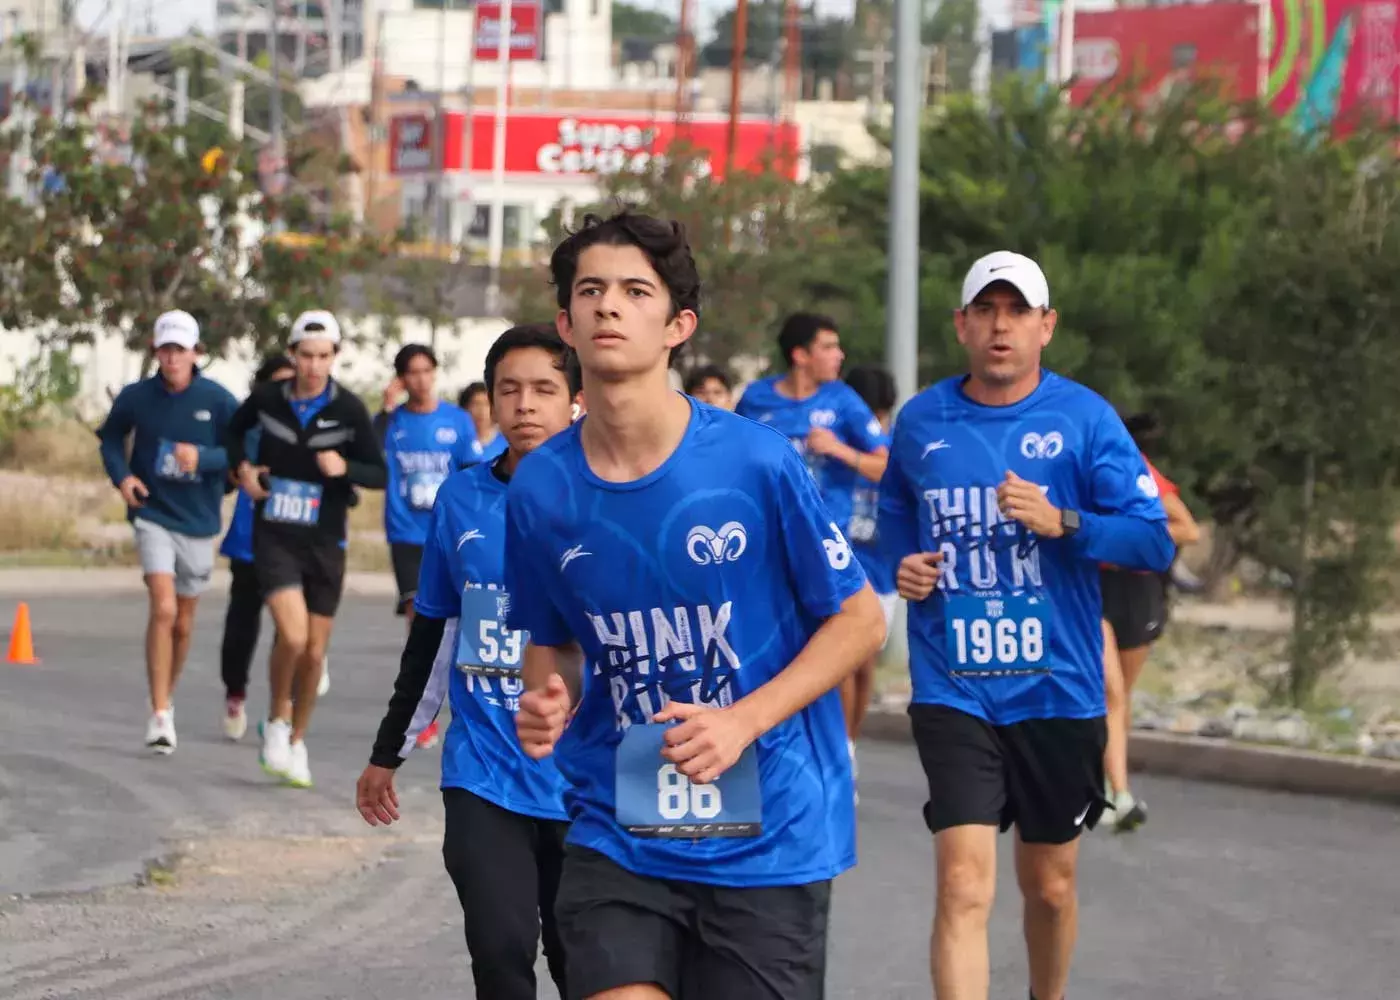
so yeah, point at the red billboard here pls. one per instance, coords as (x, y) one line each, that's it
(525, 30)
(411, 143)
(1159, 47)
(555, 144)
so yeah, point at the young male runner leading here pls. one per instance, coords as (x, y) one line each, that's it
(1005, 489)
(173, 487)
(504, 839)
(317, 444)
(684, 555)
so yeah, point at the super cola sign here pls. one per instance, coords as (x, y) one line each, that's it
(577, 145)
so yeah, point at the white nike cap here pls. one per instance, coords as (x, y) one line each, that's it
(316, 324)
(177, 327)
(1016, 270)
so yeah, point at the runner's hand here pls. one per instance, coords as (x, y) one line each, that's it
(249, 478)
(134, 492)
(332, 464)
(918, 575)
(375, 796)
(392, 393)
(187, 457)
(542, 716)
(821, 441)
(1027, 504)
(708, 741)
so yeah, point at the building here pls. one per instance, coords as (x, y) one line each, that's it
(307, 32)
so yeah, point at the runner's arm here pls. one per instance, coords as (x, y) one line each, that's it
(419, 689)
(566, 661)
(365, 460)
(1180, 524)
(862, 447)
(897, 526)
(214, 458)
(1124, 524)
(111, 437)
(380, 423)
(244, 419)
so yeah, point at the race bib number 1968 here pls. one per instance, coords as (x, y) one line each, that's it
(656, 800)
(997, 636)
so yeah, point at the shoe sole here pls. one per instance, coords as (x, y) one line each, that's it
(160, 749)
(293, 783)
(1131, 822)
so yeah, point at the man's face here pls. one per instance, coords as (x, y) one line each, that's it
(420, 379)
(313, 359)
(531, 400)
(176, 363)
(715, 393)
(479, 406)
(618, 318)
(1003, 335)
(821, 358)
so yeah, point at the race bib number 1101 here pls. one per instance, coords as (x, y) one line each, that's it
(656, 800)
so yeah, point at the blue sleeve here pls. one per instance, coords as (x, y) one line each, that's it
(112, 435)
(1123, 523)
(528, 571)
(822, 566)
(897, 525)
(437, 594)
(215, 459)
(745, 407)
(467, 451)
(862, 430)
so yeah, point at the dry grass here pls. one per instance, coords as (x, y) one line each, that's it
(26, 526)
(64, 448)
(367, 517)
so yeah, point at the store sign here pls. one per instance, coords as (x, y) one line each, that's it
(526, 28)
(410, 144)
(575, 145)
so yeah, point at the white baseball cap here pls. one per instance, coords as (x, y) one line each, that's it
(177, 327)
(1016, 270)
(316, 324)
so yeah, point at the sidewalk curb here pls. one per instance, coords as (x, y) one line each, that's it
(1278, 769)
(24, 584)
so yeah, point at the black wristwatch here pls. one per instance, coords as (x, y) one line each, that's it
(1069, 522)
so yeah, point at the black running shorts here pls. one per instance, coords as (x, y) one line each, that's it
(1043, 775)
(313, 563)
(697, 942)
(1135, 604)
(407, 560)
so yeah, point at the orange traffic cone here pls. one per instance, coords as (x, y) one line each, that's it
(22, 639)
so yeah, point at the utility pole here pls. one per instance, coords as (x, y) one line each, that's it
(115, 21)
(182, 106)
(438, 201)
(736, 80)
(495, 244)
(792, 59)
(684, 48)
(902, 300)
(279, 142)
(299, 65)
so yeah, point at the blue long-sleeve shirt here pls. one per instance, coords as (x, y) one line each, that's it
(198, 415)
(1012, 631)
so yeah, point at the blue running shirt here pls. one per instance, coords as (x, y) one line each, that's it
(493, 449)
(1012, 631)
(698, 583)
(421, 451)
(863, 531)
(835, 406)
(465, 549)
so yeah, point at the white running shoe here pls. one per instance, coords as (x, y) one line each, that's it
(160, 732)
(276, 757)
(298, 773)
(324, 684)
(235, 719)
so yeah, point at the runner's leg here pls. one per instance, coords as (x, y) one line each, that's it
(308, 673)
(1116, 754)
(1046, 873)
(242, 623)
(160, 625)
(288, 609)
(181, 633)
(549, 859)
(966, 858)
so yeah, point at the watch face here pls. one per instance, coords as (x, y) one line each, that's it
(1069, 519)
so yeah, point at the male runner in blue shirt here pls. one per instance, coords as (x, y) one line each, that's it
(173, 486)
(504, 840)
(683, 553)
(1006, 488)
(476, 402)
(826, 421)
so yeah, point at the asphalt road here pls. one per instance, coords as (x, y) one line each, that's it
(281, 893)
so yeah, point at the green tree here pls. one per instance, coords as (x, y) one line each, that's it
(764, 246)
(826, 42)
(952, 28)
(643, 23)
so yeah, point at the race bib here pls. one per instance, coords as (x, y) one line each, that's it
(997, 636)
(422, 489)
(656, 800)
(484, 645)
(290, 501)
(167, 467)
(864, 509)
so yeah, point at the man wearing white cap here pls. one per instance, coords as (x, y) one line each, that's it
(317, 444)
(173, 484)
(1006, 489)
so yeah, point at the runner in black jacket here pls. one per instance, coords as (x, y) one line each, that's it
(317, 444)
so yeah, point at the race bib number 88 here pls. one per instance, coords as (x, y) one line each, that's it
(996, 636)
(654, 799)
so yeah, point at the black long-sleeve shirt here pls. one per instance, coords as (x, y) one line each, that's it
(288, 450)
(416, 698)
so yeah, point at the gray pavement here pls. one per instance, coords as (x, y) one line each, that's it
(286, 894)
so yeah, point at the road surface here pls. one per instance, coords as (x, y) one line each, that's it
(269, 892)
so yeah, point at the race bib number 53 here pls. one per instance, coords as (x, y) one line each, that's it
(997, 636)
(484, 645)
(656, 800)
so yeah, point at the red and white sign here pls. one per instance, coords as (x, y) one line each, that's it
(410, 144)
(525, 31)
(551, 144)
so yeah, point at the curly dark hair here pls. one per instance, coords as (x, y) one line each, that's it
(663, 243)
